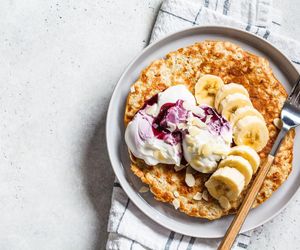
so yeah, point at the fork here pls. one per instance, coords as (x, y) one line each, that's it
(290, 117)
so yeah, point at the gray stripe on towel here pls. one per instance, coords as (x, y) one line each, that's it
(131, 246)
(170, 240)
(123, 215)
(191, 243)
(266, 35)
(116, 184)
(206, 4)
(217, 2)
(180, 241)
(179, 17)
(226, 7)
(242, 245)
(297, 62)
(197, 16)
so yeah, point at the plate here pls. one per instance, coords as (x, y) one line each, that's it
(165, 214)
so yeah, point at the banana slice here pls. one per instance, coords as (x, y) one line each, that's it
(248, 153)
(240, 164)
(206, 89)
(251, 131)
(227, 182)
(224, 202)
(228, 89)
(233, 102)
(243, 112)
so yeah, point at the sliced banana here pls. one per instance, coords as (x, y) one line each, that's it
(248, 153)
(227, 182)
(240, 164)
(228, 89)
(243, 112)
(224, 202)
(206, 89)
(251, 131)
(233, 102)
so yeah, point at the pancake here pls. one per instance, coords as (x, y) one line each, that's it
(232, 64)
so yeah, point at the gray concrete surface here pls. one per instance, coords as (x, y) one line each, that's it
(59, 63)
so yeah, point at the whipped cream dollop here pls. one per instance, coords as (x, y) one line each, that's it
(206, 140)
(144, 144)
(170, 126)
(173, 94)
(153, 134)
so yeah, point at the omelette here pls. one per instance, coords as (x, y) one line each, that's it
(184, 67)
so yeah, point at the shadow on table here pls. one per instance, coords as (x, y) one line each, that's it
(98, 179)
(98, 174)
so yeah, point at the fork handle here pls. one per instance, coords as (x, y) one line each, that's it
(240, 217)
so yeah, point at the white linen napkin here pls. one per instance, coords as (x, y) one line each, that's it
(128, 227)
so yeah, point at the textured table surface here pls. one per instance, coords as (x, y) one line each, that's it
(59, 63)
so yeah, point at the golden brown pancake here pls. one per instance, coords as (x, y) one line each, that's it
(232, 64)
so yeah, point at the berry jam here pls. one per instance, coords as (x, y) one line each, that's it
(159, 130)
(151, 101)
(216, 123)
(170, 113)
(164, 125)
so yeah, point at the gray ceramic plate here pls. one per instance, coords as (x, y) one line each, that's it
(165, 214)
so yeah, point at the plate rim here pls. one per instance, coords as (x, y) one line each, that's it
(122, 180)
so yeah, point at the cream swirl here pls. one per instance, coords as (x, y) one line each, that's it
(171, 122)
(153, 133)
(143, 144)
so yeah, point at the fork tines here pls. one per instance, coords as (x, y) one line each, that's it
(294, 97)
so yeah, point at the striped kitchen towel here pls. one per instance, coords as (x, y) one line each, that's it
(128, 227)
